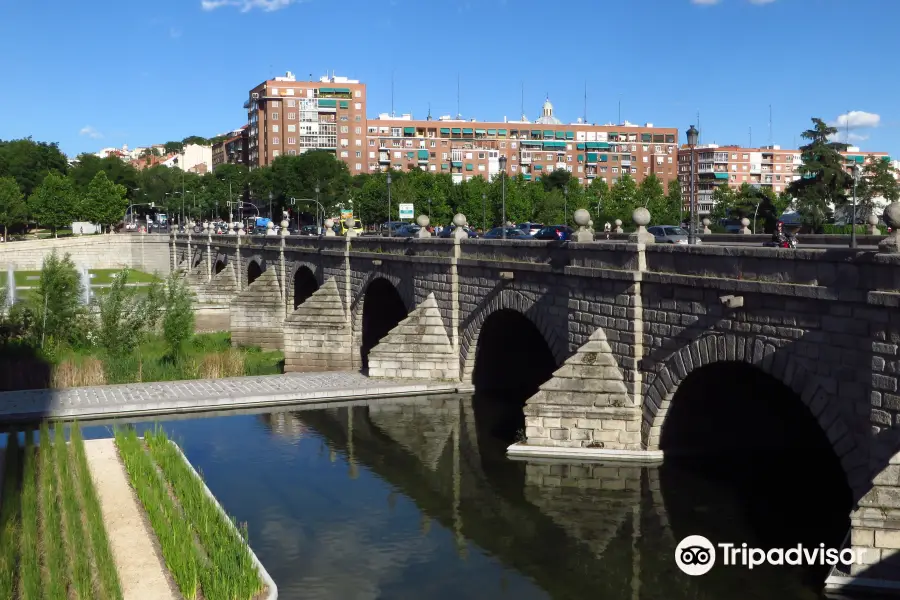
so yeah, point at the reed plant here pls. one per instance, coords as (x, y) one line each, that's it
(232, 573)
(77, 550)
(9, 517)
(174, 534)
(29, 542)
(109, 585)
(54, 576)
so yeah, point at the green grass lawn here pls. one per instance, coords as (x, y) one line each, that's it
(100, 277)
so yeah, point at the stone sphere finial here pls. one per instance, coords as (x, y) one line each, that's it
(423, 220)
(239, 226)
(206, 224)
(891, 218)
(640, 216)
(270, 225)
(891, 215)
(706, 222)
(349, 223)
(582, 217)
(459, 220)
(329, 223)
(285, 224)
(873, 220)
(745, 222)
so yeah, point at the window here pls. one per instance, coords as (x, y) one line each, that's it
(275, 153)
(292, 128)
(396, 155)
(569, 158)
(658, 148)
(481, 155)
(292, 152)
(276, 140)
(274, 128)
(502, 144)
(512, 145)
(358, 94)
(514, 168)
(345, 142)
(291, 103)
(274, 115)
(734, 167)
(358, 130)
(371, 143)
(633, 170)
(549, 156)
(274, 104)
(344, 154)
(633, 148)
(481, 167)
(434, 145)
(371, 155)
(395, 132)
(274, 91)
(645, 148)
(745, 156)
(734, 157)
(343, 118)
(358, 143)
(292, 140)
(344, 129)
(292, 116)
(468, 155)
(358, 106)
(443, 156)
(357, 118)
(580, 168)
(647, 159)
(670, 160)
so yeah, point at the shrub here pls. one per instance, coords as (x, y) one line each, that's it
(125, 316)
(56, 303)
(178, 320)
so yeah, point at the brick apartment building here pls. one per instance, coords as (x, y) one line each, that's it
(290, 117)
(232, 150)
(768, 166)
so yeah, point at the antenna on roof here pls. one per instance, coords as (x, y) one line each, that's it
(770, 125)
(523, 100)
(392, 93)
(699, 129)
(750, 143)
(458, 113)
(585, 101)
(620, 111)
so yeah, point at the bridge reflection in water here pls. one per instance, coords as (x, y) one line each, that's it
(576, 530)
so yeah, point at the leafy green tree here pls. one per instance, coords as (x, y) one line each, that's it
(195, 139)
(13, 210)
(29, 162)
(652, 197)
(117, 171)
(823, 181)
(724, 202)
(596, 195)
(56, 301)
(879, 180)
(557, 180)
(55, 203)
(105, 201)
(173, 147)
(622, 201)
(673, 193)
(178, 316)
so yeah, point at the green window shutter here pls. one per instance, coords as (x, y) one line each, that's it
(467, 131)
(409, 130)
(444, 166)
(579, 146)
(570, 135)
(456, 131)
(646, 137)
(423, 154)
(480, 131)
(580, 157)
(469, 168)
(492, 132)
(592, 157)
(327, 103)
(445, 131)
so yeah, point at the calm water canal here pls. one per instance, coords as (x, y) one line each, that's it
(415, 499)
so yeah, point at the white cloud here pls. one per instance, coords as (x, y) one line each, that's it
(248, 5)
(90, 132)
(857, 119)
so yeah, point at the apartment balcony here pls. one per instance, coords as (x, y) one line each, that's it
(384, 158)
(560, 166)
(625, 163)
(525, 159)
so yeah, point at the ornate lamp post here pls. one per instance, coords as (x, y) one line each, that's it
(483, 212)
(503, 194)
(693, 135)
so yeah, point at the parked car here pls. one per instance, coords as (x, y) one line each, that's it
(669, 234)
(448, 232)
(555, 232)
(512, 233)
(309, 230)
(357, 227)
(394, 226)
(530, 228)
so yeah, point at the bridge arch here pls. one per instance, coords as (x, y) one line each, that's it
(383, 301)
(254, 269)
(506, 299)
(221, 262)
(736, 360)
(305, 284)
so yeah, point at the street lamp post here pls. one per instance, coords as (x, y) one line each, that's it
(271, 214)
(853, 220)
(503, 194)
(693, 135)
(483, 212)
(566, 205)
(318, 204)
(388, 228)
(429, 208)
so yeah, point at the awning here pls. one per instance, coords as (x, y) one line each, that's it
(536, 179)
(457, 163)
(560, 135)
(532, 142)
(480, 131)
(326, 90)
(579, 146)
(612, 133)
(721, 175)
(492, 132)
(548, 133)
(570, 135)
(555, 145)
(597, 146)
(538, 167)
(344, 103)
(469, 167)
(456, 131)
(409, 155)
(527, 176)
(445, 130)
(341, 90)
(592, 157)
(580, 157)
(327, 103)
(444, 166)
(423, 154)
(535, 132)
(604, 157)
(646, 137)
(409, 130)
(467, 131)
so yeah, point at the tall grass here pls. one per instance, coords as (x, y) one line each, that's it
(73, 530)
(29, 543)
(110, 588)
(78, 371)
(174, 534)
(54, 573)
(9, 517)
(231, 573)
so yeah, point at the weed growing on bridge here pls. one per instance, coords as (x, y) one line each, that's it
(202, 548)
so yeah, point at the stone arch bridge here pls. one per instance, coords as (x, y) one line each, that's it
(625, 324)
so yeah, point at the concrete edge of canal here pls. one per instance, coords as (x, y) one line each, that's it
(519, 451)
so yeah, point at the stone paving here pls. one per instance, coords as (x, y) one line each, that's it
(206, 394)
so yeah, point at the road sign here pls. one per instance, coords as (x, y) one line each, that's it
(406, 211)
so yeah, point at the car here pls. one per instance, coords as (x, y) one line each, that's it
(669, 234)
(448, 232)
(309, 230)
(406, 231)
(394, 226)
(357, 227)
(530, 228)
(511, 233)
(555, 232)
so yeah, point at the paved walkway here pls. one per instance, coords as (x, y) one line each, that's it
(205, 394)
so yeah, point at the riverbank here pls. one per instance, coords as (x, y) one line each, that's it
(95, 520)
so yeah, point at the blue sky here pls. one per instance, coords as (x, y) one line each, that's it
(107, 72)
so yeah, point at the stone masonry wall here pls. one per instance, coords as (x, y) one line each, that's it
(317, 334)
(148, 253)
(258, 312)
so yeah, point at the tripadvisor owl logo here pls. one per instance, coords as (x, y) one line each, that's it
(695, 555)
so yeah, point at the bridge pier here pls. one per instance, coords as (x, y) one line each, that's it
(317, 335)
(258, 312)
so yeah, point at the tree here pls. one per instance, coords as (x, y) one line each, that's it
(622, 201)
(105, 201)
(173, 147)
(117, 171)
(650, 195)
(823, 181)
(195, 139)
(55, 203)
(724, 201)
(878, 181)
(29, 162)
(596, 196)
(557, 180)
(676, 199)
(12, 205)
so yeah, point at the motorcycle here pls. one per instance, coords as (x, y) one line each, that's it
(788, 243)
